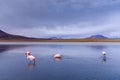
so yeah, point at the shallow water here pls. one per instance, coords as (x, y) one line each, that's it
(80, 61)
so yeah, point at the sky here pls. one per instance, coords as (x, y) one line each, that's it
(60, 18)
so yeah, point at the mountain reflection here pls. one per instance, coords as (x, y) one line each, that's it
(4, 48)
(99, 47)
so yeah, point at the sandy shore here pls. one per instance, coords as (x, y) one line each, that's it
(63, 40)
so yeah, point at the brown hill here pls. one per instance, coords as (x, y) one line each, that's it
(7, 36)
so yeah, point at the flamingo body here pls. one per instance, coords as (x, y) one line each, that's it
(29, 56)
(57, 56)
(104, 53)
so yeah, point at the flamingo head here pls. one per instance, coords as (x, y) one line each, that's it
(28, 53)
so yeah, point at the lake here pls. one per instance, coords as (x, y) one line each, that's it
(80, 61)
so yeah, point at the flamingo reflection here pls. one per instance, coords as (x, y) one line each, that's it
(31, 66)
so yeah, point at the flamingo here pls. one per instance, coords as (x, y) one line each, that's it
(30, 57)
(104, 53)
(57, 55)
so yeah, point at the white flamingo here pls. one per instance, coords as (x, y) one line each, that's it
(30, 57)
(104, 53)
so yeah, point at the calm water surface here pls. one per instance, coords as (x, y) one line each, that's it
(80, 61)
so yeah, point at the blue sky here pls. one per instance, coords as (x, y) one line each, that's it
(56, 18)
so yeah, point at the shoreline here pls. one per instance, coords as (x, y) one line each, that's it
(63, 40)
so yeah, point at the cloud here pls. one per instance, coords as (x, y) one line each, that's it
(41, 18)
(109, 26)
(29, 13)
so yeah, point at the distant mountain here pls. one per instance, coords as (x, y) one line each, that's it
(54, 38)
(7, 36)
(98, 36)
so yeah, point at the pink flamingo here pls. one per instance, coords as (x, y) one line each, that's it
(57, 55)
(29, 56)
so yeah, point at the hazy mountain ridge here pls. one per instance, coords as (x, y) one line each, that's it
(7, 36)
(98, 36)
